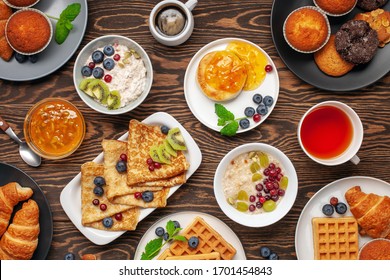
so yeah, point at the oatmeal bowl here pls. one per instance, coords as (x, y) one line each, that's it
(113, 74)
(255, 185)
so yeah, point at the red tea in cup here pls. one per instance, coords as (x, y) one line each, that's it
(326, 132)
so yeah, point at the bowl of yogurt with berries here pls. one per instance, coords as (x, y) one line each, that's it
(113, 74)
(255, 185)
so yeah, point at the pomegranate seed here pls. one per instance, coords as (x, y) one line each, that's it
(116, 57)
(252, 198)
(259, 205)
(334, 201)
(138, 195)
(103, 207)
(273, 192)
(281, 192)
(123, 157)
(149, 161)
(259, 187)
(262, 199)
(271, 166)
(256, 117)
(108, 78)
(151, 167)
(157, 165)
(268, 68)
(95, 202)
(91, 65)
(252, 208)
(118, 216)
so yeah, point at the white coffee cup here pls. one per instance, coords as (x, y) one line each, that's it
(357, 138)
(188, 27)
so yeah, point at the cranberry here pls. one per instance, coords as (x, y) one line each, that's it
(95, 202)
(334, 201)
(273, 192)
(275, 198)
(268, 68)
(108, 78)
(116, 57)
(278, 170)
(271, 166)
(266, 172)
(259, 187)
(157, 165)
(91, 65)
(262, 199)
(281, 192)
(138, 195)
(252, 198)
(269, 185)
(259, 205)
(118, 216)
(256, 117)
(123, 157)
(149, 161)
(151, 167)
(103, 207)
(252, 208)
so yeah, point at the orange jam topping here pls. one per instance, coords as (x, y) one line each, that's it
(56, 127)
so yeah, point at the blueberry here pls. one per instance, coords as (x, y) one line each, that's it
(265, 251)
(97, 56)
(109, 63)
(262, 109)
(166, 236)
(147, 196)
(160, 231)
(98, 191)
(98, 72)
(341, 208)
(273, 256)
(86, 71)
(328, 210)
(249, 112)
(99, 181)
(69, 257)
(268, 101)
(108, 50)
(121, 166)
(193, 242)
(257, 98)
(20, 57)
(177, 224)
(244, 123)
(164, 129)
(33, 58)
(107, 222)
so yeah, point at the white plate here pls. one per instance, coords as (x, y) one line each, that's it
(71, 194)
(304, 234)
(184, 219)
(203, 107)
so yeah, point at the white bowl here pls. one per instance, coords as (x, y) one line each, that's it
(85, 54)
(261, 219)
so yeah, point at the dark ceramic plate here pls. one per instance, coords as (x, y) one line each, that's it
(303, 65)
(9, 173)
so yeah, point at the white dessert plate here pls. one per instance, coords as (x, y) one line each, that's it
(304, 232)
(184, 219)
(71, 195)
(203, 107)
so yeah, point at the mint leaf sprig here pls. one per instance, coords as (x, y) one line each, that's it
(154, 246)
(227, 120)
(64, 22)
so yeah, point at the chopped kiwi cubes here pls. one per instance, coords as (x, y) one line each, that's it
(176, 140)
(114, 100)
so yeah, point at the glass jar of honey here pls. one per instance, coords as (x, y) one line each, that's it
(54, 128)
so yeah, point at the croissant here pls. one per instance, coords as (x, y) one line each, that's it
(371, 211)
(10, 195)
(21, 238)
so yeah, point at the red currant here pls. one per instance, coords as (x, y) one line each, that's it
(271, 166)
(118, 216)
(149, 161)
(278, 170)
(95, 202)
(259, 187)
(151, 167)
(252, 208)
(108, 78)
(157, 165)
(262, 199)
(259, 205)
(252, 198)
(281, 192)
(334, 201)
(103, 207)
(266, 172)
(123, 157)
(256, 117)
(138, 195)
(116, 57)
(273, 192)
(268, 68)
(91, 65)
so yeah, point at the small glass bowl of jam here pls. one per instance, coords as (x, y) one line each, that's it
(54, 128)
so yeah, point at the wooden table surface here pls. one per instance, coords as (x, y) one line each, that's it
(249, 20)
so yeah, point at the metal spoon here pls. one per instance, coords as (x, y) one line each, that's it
(26, 153)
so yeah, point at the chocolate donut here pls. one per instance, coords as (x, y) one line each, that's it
(356, 41)
(370, 5)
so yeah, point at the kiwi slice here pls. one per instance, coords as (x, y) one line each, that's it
(175, 138)
(84, 86)
(114, 100)
(163, 155)
(153, 154)
(169, 148)
(99, 90)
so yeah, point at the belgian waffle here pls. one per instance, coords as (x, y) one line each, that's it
(209, 241)
(335, 238)
(207, 257)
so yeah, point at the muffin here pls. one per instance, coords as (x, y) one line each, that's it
(377, 249)
(306, 29)
(28, 31)
(329, 60)
(378, 20)
(5, 50)
(356, 42)
(335, 7)
(17, 4)
(370, 5)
